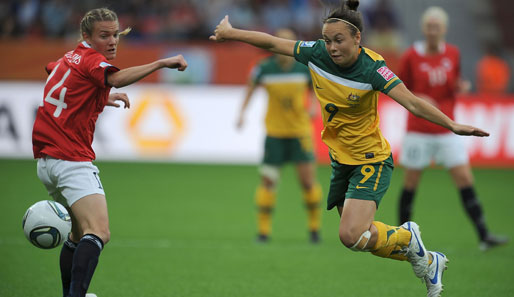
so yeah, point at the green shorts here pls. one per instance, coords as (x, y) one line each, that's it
(365, 182)
(278, 151)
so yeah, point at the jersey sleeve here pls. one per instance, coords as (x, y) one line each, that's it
(98, 68)
(303, 50)
(382, 78)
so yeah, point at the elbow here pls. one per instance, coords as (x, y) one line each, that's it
(115, 81)
(415, 108)
(415, 111)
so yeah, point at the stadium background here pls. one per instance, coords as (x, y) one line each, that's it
(181, 185)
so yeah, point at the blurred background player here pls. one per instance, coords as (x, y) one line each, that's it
(76, 92)
(431, 69)
(288, 135)
(493, 72)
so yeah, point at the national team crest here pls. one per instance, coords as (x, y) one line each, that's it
(353, 100)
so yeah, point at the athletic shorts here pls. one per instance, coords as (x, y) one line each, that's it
(420, 149)
(364, 182)
(68, 181)
(278, 151)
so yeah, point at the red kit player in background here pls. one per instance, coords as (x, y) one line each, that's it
(431, 70)
(76, 92)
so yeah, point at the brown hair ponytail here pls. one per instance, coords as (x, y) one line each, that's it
(347, 11)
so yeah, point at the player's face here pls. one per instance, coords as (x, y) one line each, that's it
(434, 31)
(341, 45)
(105, 38)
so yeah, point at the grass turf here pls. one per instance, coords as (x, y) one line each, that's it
(189, 230)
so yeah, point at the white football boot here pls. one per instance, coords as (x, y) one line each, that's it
(91, 295)
(416, 252)
(434, 277)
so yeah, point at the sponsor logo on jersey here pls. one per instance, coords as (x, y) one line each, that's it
(307, 43)
(73, 58)
(386, 73)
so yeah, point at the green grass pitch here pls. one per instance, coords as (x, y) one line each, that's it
(189, 230)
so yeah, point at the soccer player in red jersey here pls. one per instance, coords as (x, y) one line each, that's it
(431, 70)
(76, 92)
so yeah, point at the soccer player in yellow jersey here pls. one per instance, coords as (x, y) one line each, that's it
(288, 135)
(347, 78)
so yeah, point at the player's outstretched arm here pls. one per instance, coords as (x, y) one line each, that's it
(225, 31)
(130, 75)
(423, 109)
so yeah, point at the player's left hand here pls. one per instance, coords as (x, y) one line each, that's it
(118, 97)
(221, 30)
(469, 131)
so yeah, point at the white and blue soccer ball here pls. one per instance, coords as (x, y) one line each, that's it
(46, 224)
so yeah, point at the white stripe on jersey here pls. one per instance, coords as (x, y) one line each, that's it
(284, 78)
(339, 80)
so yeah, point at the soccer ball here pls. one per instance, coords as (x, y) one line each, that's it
(46, 224)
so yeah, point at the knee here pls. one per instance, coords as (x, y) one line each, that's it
(347, 237)
(307, 184)
(103, 233)
(105, 236)
(356, 240)
(464, 181)
(410, 183)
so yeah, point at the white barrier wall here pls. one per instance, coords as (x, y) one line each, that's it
(197, 124)
(190, 124)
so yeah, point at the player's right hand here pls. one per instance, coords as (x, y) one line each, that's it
(177, 62)
(221, 30)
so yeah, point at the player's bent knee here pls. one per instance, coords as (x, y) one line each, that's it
(106, 236)
(103, 233)
(270, 173)
(354, 241)
(346, 238)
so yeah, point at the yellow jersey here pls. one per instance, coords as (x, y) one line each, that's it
(287, 90)
(349, 101)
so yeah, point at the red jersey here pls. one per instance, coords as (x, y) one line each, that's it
(76, 92)
(435, 76)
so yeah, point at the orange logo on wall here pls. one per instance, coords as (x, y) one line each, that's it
(156, 124)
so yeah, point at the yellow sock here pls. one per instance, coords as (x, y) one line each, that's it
(312, 199)
(390, 240)
(391, 252)
(265, 201)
